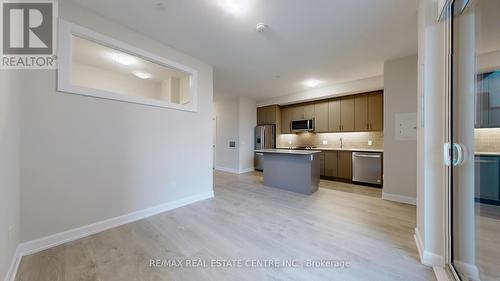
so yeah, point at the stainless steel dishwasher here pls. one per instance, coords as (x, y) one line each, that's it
(367, 167)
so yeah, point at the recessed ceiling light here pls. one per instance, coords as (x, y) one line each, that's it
(142, 75)
(312, 83)
(123, 59)
(234, 6)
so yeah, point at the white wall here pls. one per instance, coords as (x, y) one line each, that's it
(236, 121)
(227, 116)
(87, 159)
(184, 90)
(114, 81)
(430, 230)
(248, 121)
(420, 119)
(9, 168)
(400, 156)
(341, 89)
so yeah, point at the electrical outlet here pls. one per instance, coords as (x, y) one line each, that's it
(325, 142)
(370, 142)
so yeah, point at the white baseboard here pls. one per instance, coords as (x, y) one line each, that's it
(419, 243)
(34, 246)
(441, 274)
(247, 170)
(399, 198)
(227, 170)
(427, 258)
(30, 247)
(14, 265)
(234, 171)
(469, 270)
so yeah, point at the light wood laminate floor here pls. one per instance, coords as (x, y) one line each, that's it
(488, 242)
(247, 221)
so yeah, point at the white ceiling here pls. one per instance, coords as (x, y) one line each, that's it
(330, 40)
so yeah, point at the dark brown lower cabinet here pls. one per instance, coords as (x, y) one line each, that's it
(331, 163)
(321, 163)
(345, 165)
(336, 164)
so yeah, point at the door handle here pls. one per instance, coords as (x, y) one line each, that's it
(460, 154)
(260, 154)
(448, 154)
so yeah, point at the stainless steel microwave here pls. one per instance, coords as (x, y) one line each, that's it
(302, 125)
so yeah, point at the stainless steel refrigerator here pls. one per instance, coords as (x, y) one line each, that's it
(265, 138)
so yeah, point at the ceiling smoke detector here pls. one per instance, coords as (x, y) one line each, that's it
(260, 27)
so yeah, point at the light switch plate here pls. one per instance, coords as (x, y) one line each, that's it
(406, 126)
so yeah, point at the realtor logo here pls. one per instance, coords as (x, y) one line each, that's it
(28, 34)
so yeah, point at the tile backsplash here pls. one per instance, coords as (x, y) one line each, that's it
(487, 140)
(332, 140)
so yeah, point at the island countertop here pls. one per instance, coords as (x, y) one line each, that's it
(288, 151)
(381, 150)
(481, 153)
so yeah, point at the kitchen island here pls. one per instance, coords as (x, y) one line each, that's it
(292, 170)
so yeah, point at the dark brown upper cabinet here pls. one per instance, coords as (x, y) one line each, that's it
(376, 111)
(268, 115)
(355, 113)
(321, 117)
(368, 110)
(361, 113)
(347, 114)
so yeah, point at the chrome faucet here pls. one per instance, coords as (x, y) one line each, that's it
(341, 143)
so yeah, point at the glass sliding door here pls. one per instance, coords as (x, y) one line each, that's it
(475, 138)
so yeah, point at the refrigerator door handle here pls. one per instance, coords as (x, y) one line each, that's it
(263, 136)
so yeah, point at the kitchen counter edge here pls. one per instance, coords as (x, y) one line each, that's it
(341, 149)
(288, 151)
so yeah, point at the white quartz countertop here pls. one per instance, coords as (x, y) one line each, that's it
(342, 149)
(288, 151)
(487, 153)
